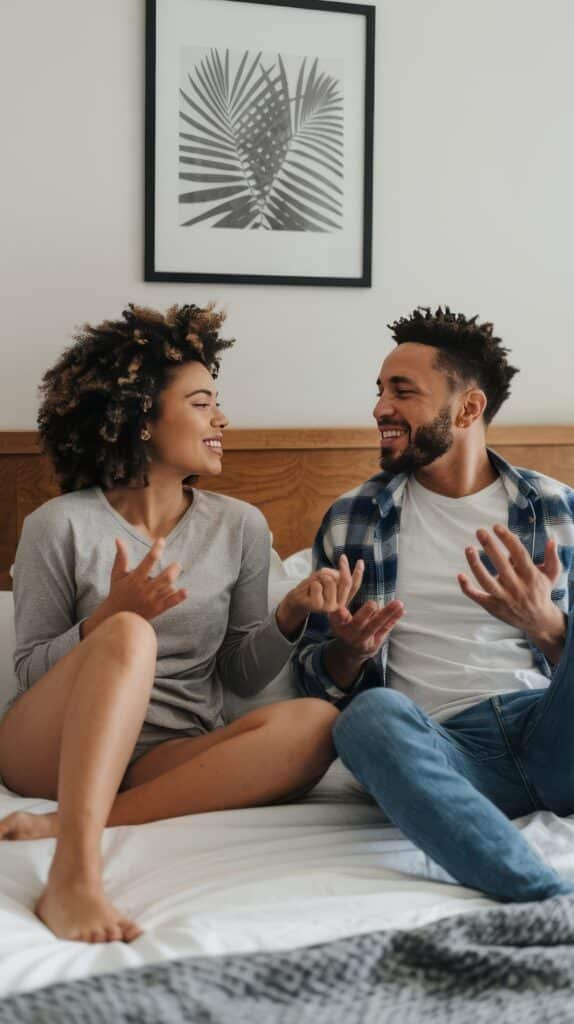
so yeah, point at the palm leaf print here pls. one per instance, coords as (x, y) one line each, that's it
(258, 154)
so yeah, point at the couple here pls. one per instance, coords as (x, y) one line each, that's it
(122, 722)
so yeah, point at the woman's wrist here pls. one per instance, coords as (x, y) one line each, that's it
(290, 618)
(88, 625)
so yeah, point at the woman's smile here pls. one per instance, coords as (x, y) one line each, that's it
(215, 444)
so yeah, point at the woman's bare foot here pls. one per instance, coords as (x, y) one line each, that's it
(72, 906)
(76, 909)
(22, 825)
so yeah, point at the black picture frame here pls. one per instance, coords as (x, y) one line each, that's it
(289, 219)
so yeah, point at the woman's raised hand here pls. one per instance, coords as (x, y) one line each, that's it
(135, 591)
(326, 590)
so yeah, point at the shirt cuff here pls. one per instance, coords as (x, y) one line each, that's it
(65, 643)
(290, 643)
(324, 678)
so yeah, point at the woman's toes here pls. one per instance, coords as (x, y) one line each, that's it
(12, 825)
(22, 825)
(82, 914)
(130, 931)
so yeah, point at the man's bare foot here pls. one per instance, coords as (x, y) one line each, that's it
(78, 911)
(22, 825)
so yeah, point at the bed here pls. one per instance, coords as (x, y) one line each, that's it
(299, 888)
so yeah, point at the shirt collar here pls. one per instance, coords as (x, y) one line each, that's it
(519, 489)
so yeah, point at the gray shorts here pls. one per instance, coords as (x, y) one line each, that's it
(152, 735)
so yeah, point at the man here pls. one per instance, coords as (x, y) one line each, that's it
(449, 720)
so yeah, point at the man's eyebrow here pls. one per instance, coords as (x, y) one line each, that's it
(202, 391)
(399, 379)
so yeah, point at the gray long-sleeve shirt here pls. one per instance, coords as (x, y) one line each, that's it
(221, 633)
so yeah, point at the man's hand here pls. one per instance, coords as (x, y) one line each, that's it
(360, 636)
(135, 591)
(364, 632)
(521, 592)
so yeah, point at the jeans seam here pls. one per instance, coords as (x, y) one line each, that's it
(548, 699)
(531, 792)
(454, 742)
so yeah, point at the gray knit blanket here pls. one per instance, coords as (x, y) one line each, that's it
(511, 964)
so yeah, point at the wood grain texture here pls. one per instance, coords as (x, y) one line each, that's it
(26, 442)
(293, 476)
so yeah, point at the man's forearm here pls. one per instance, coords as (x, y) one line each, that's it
(343, 665)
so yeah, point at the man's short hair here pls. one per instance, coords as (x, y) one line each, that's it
(467, 351)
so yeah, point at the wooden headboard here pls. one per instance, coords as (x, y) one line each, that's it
(291, 475)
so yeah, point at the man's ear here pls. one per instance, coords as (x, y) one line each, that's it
(472, 404)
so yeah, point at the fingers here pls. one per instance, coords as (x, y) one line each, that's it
(552, 566)
(368, 627)
(521, 560)
(363, 615)
(169, 574)
(152, 558)
(344, 587)
(381, 620)
(175, 598)
(356, 578)
(121, 561)
(385, 627)
(499, 558)
(487, 581)
(318, 593)
(475, 595)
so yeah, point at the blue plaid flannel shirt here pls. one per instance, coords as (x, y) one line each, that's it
(366, 524)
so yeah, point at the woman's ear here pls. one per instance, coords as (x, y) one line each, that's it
(471, 408)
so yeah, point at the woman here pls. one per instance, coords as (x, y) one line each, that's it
(121, 721)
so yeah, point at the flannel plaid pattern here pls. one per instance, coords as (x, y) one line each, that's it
(365, 523)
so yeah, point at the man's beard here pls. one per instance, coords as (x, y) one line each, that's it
(429, 443)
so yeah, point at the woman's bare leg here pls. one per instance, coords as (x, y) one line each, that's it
(265, 757)
(70, 737)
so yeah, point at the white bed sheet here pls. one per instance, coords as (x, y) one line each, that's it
(270, 878)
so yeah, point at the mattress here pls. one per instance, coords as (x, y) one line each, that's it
(267, 878)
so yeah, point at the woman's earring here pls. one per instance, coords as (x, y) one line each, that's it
(145, 434)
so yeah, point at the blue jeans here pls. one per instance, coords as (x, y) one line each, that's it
(452, 788)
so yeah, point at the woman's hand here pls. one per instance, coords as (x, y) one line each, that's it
(134, 591)
(326, 590)
(521, 592)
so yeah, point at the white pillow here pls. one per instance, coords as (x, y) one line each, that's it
(299, 565)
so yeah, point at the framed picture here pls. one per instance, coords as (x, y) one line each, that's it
(259, 141)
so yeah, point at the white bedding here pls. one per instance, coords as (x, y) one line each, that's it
(270, 878)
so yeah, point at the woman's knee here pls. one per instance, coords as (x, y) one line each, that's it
(304, 723)
(133, 635)
(306, 713)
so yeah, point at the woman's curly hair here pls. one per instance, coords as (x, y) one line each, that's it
(468, 351)
(98, 397)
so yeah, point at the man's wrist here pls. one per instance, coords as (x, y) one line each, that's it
(550, 639)
(342, 664)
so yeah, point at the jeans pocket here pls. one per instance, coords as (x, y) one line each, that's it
(476, 733)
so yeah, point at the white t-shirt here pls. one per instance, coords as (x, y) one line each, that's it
(447, 653)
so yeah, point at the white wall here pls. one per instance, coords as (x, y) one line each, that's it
(474, 177)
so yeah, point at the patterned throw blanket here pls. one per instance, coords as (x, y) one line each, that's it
(511, 964)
